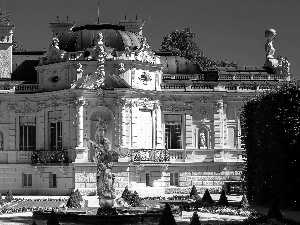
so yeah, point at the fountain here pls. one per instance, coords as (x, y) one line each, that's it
(105, 178)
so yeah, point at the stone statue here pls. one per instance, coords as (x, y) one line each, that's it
(105, 178)
(270, 50)
(54, 54)
(202, 139)
(279, 65)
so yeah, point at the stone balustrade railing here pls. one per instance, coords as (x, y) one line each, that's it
(50, 156)
(153, 155)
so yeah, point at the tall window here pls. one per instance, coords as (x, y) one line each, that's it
(174, 178)
(55, 123)
(53, 180)
(145, 129)
(173, 125)
(27, 180)
(27, 133)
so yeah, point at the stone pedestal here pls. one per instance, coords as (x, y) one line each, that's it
(81, 154)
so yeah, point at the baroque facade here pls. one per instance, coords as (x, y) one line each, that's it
(174, 125)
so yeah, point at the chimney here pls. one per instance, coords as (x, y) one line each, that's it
(133, 25)
(60, 27)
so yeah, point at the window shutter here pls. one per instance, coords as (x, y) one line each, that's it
(29, 176)
(50, 180)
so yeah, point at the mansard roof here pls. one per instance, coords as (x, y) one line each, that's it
(114, 36)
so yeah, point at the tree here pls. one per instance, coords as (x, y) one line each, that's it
(9, 196)
(181, 43)
(167, 216)
(207, 198)
(75, 200)
(271, 123)
(53, 219)
(274, 211)
(223, 199)
(195, 219)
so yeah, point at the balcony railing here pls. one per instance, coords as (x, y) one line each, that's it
(50, 156)
(154, 155)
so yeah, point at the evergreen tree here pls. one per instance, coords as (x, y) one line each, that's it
(207, 198)
(195, 219)
(53, 219)
(193, 192)
(34, 223)
(1, 199)
(274, 211)
(244, 202)
(223, 199)
(75, 200)
(167, 217)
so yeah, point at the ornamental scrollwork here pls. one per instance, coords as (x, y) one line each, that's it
(138, 169)
(217, 106)
(202, 113)
(144, 53)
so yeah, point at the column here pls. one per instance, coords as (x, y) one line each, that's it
(218, 130)
(159, 128)
(81, 150)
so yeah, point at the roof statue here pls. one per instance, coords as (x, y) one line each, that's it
(144, 53)
(54, 54)
(279, 65)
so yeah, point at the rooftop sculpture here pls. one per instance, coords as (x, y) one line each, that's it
(279, 65)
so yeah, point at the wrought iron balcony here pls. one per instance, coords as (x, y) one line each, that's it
(50, 156)
(153, 155)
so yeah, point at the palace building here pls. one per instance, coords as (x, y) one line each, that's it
(173, 124)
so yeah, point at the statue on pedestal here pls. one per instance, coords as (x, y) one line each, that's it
(105, 178)
(279, 65)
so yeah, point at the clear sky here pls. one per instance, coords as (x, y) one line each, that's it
(232, 29)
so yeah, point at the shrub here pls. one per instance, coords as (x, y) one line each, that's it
(195, 219)
(1, 199)
(167, 216)
(193, 191)
(9, 196)
(223, 199)
(132, 199)
(75, 200)
(34, 223)
(207, 198)
(274, 211)
(53, 219)
(244, 202)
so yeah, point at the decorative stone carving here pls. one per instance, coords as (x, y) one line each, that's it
(138, 169)
(5, 63)
(144, 53)
(53, 55)
(279, 65)
(145, 77)
(24, 106)
(4, 17)
(121, 67)
(202, 113)
(95, 81)
(217, 106)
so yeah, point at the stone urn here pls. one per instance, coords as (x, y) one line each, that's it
(106, 202)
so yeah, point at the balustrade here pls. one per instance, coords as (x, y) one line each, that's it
(50, 156)
(154, 155)
(176, 155)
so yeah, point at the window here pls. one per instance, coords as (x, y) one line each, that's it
(27, 180)
(145, 129)
(173, 131)
(27, 140)
(147, 179)
(55, 130)
(53, 180)
(173, 178)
